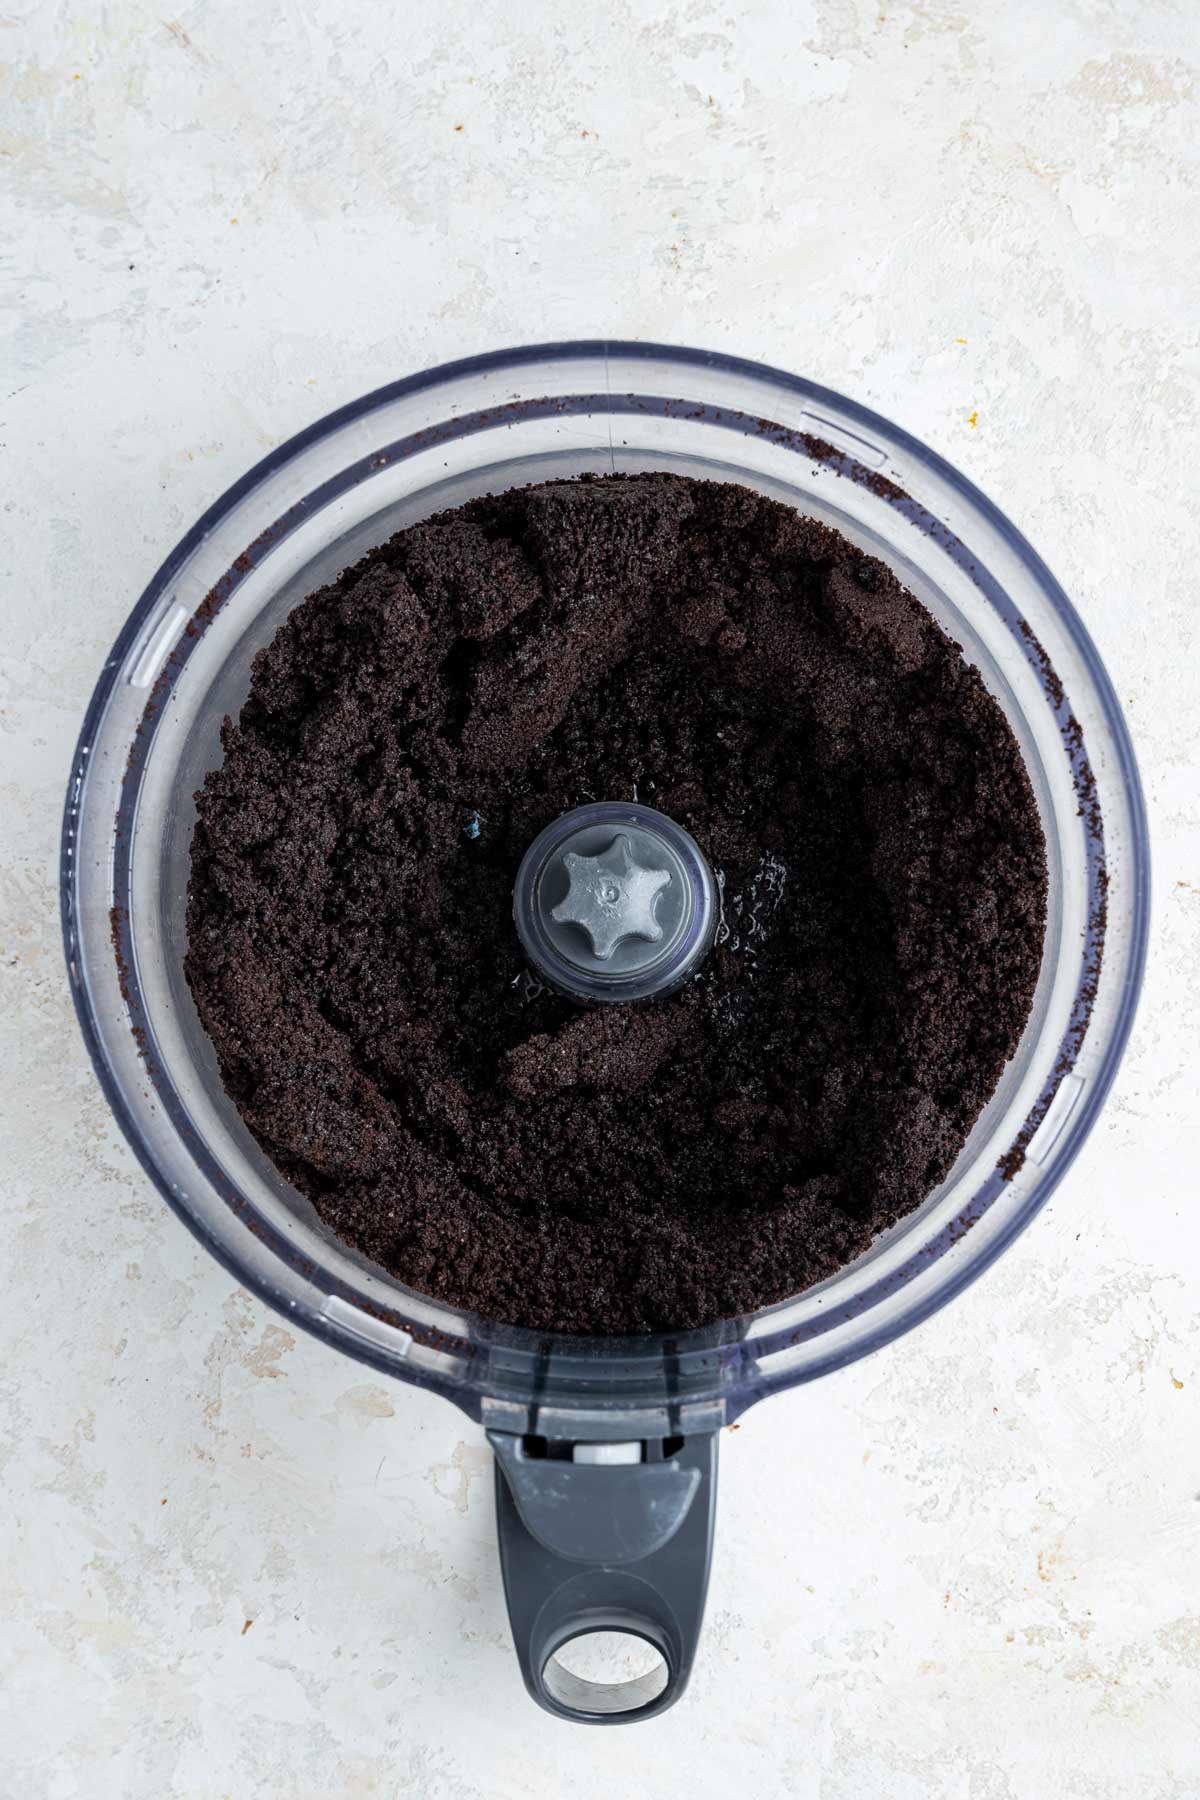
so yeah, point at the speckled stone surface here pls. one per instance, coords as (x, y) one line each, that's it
(234, 1564)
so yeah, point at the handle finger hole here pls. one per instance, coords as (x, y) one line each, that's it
(606, 1672)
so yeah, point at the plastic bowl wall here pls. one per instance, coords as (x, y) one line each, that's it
(182, 663)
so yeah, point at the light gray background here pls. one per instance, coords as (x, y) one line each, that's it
(238, 1566)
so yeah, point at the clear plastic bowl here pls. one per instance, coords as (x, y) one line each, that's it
(181, 663)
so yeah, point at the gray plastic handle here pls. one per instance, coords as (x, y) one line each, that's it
(591, 1541)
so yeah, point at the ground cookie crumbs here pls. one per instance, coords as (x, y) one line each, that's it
(746, 670)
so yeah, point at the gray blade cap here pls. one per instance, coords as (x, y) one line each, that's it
(614, 901)
(611, 897)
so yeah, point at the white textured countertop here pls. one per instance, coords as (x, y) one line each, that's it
(238, 1565)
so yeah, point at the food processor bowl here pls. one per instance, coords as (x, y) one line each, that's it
(605, 1446)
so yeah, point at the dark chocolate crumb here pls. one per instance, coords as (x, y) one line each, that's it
(778, 692)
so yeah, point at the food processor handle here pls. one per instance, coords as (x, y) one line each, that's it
(605, 1537)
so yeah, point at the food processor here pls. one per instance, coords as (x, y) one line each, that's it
(606, 1447)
